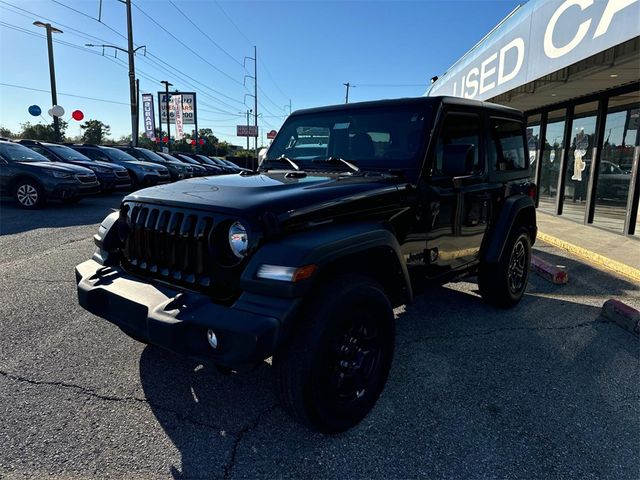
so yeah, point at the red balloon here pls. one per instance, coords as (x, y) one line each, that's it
(193, 142)
(77, 115)
(165, 139)
(201, 141)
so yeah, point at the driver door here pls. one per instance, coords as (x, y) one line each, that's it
(458, 202)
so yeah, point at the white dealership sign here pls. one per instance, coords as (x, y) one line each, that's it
(148, 116)
(176, 106)
(188, 107)
(538, 38)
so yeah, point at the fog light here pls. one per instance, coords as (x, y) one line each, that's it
(212, 339)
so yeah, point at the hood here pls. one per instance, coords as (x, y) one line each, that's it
(110, 166)
(285, 196)
(59, 167)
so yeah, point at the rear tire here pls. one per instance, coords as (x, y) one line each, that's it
(503, 284)
(29, 194)
(332, 371)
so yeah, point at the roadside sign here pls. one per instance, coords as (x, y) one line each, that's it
(271, 135)
(246, 131)
(188, 108)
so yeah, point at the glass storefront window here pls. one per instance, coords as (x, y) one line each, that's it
(550, 165)
(620, 143)
(583, 133)
(533, 144)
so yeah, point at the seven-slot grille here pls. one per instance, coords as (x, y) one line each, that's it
(169, 244)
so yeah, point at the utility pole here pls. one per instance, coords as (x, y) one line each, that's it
(137, 110)
(348, 85)
(248, 113)
(255, 98)
(130, 51)
(132, 78)
(52, 73)
(166, 102)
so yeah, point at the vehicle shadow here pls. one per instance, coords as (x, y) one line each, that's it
(88, 211)
(473, 392)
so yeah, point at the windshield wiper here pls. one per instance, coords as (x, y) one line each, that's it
(282, 158)
(342, 161)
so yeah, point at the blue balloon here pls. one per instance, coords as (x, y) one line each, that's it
(35, 110)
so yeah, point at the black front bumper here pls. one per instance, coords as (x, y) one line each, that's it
(247, 332)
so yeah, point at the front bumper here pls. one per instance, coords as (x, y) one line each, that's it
(247, 332)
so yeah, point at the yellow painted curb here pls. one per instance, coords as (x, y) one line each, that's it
(607, 263)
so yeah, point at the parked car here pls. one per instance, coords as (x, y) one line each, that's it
(111, 176)
(197, 170)
(143, 174)
(189, 158)
(231, 164)
(32, 179)
(305, 260)
(177, 170)
(224, 165)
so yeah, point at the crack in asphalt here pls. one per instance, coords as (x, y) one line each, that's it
(506, 329)
(54, 249)
(91, 393)
(40, 280)
(110, 398)
(228, 468)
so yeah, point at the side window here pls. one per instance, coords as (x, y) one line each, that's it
(458, 129)
(506, 148)
(43, 152)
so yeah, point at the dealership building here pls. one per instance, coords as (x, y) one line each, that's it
(573, 67)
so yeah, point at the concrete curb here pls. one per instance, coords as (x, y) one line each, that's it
(595, 258)
(622, 314)
(549, 272)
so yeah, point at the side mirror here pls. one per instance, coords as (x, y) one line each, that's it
(457, 160)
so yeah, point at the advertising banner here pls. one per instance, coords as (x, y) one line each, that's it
(246, 131)
(176, 101)
(148, 116)
(538, 38)
(188, 107)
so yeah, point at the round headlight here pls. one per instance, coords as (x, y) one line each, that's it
(238, 240)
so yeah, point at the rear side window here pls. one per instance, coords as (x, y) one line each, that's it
(506, 148)
(458, 129)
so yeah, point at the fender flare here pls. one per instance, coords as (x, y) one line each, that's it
(513, 207)
(322, 247)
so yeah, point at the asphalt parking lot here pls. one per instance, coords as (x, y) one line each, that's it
(541, 391)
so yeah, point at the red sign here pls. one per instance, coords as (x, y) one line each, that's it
(246, 131)
(272, 134)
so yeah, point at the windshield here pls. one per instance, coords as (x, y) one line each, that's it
(68, 153)
(13, 152)
(207, 160)
(116, 154)
(381, 137)
(151, 155)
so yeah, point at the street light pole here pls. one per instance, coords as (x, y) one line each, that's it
(166, 102)
(348, 85)
(52, 73)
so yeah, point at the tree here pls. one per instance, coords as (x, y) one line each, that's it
(6, 133)
(94, 131)
(42, 132)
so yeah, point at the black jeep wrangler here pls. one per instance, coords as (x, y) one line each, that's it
(305, 259)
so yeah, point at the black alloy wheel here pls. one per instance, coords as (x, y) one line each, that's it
(333, 370)
(503, 284)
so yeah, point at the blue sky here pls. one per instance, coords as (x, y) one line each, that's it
(306, 51)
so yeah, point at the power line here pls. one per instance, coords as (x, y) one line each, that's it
(207, 36)
(185, 45)
(360, 85)
(233, 23)
(63, 94)
(89, 16)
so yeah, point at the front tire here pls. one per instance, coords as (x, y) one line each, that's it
(333, 370)
(503, 284)
(29, 194)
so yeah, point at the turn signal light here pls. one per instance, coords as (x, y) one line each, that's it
(286, 274)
